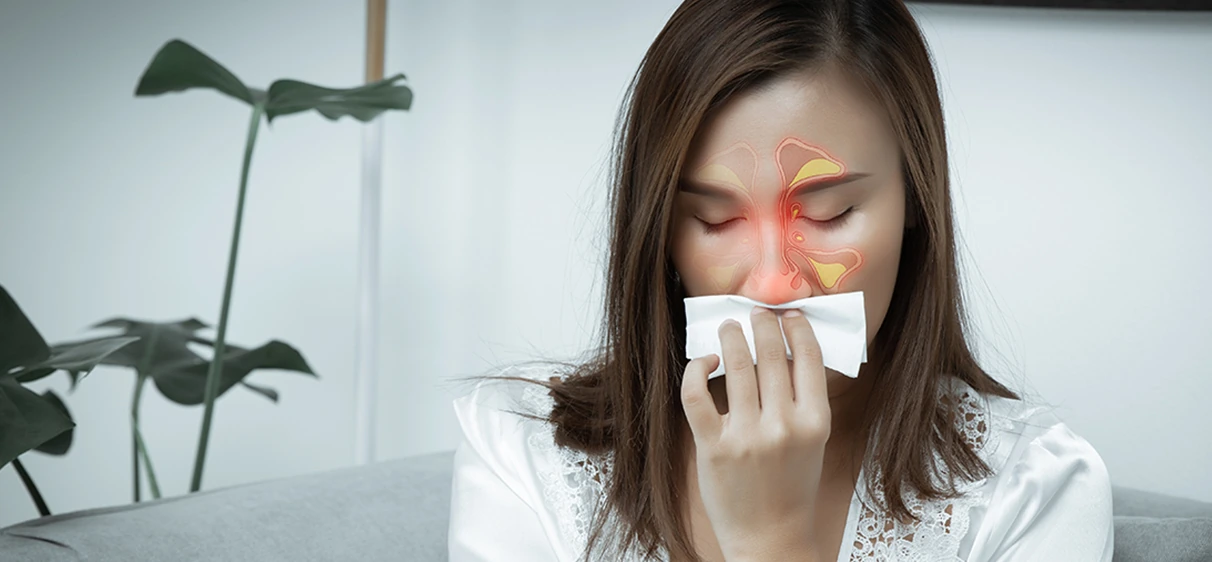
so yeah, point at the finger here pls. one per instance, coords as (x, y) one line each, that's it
(773, 376)
(808, 368)
(696, 398)
(739, 377)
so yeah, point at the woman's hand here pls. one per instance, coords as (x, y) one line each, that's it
(759, 465)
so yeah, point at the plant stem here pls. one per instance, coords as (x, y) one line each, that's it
(140, 446)
(151, 472)
(141, 374)
(31, 488)
(216, 363)
(134, 435)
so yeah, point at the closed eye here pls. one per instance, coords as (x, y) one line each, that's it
(830, 224)
(833, 223)
(716, 228)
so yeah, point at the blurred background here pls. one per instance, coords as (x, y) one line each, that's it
(1080, 143)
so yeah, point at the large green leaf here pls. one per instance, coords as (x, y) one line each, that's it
(77, 358)
(178, 66)
(25, 356)
(163, 353)
(20, 342)
(166, 340)
(362, 103)
(27, 420)
(59, 444)
(185, 383)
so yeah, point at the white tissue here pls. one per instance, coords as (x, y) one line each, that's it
(839, 322)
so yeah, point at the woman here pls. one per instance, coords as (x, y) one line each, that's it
(776, 149)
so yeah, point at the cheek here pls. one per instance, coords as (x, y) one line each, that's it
(878, 278)
(707, 263)
(881, 248)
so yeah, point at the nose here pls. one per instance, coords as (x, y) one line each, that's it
(774, 288)
(774, 279)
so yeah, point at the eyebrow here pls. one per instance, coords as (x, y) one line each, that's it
(708, 190)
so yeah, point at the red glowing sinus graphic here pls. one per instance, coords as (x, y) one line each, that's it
(798, 164)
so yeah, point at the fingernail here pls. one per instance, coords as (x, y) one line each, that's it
(756, 311)
(792, 313)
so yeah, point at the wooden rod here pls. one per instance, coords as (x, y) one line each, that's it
(376, 36)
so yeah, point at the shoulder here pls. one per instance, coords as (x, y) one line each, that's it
(561, 484)
(1047, 461)
(499, 416)
(498, 498)
(1006, 430)
(1046, 478)
(493, 395)
(1030, 436)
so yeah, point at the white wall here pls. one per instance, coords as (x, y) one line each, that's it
(494, 192)
(1080, 145)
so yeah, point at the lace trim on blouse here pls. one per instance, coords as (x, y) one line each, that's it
(943, 523)
(574, 485)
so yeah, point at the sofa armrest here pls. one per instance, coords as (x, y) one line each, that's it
(391, 510)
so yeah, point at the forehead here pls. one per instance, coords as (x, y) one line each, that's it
(826, 108)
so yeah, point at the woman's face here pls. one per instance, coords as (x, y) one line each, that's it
(791, 191)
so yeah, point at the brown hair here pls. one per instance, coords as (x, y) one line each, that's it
(625, 399)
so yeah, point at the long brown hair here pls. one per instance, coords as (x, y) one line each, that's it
(624, 400)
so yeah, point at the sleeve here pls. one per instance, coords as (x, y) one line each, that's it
(493, 515)
(1052, 501)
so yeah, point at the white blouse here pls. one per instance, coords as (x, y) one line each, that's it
(518, 496)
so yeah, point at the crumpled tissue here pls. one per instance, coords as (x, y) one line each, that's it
(839, 322)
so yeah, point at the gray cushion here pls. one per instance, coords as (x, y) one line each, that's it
(1151, 526)
(1139, 503)
(399, 510)
(393, 510)
(1163, 539)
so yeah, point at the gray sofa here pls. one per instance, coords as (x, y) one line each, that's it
(398, 510)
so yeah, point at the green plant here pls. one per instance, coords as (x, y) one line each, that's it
(32, 421)
(179, 66)
(161, 354)
(159, 351)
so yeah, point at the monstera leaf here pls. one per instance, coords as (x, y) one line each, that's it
(166, 342)
(185, 383)
(29, 420)
(178, 66)
(162, 353)
(59, 444)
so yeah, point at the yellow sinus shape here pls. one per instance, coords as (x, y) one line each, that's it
(828, 272)
(816, 167)
(719, 173)
(721, 275)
